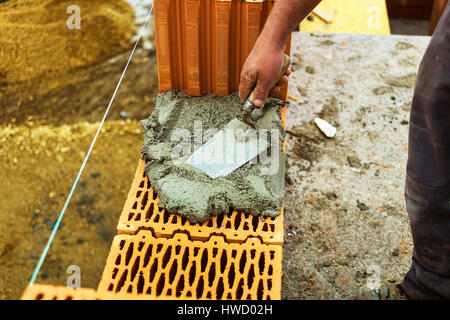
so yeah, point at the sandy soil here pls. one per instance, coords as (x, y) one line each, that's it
(39, 158)
(36, 45)
(46, 126)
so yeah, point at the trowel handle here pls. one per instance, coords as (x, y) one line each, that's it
(284, 67)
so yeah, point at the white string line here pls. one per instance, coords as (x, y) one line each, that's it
(58, 222)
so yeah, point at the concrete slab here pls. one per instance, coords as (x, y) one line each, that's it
(345, 215)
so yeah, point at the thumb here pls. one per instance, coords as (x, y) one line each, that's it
(260, 94)
(246, 84)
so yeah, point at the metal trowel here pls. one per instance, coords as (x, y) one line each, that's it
(234, 145)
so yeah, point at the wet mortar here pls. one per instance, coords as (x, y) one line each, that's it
(188, 191)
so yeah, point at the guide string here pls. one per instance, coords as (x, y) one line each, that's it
(58, 222)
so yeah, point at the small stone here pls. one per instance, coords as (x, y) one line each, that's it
(327, 262)
(124, 115)
(386, 291)
(382, 90)
(32, 256)
(327, 129)
(302, 91)
(50, 224)
(289, 180)
(297, 61)
(148, 45)
(327, 42)
(403, 45)
(96, 175)
(310, 70)
(395, 252)
(292, 234)
(362, 206)
(354, 161)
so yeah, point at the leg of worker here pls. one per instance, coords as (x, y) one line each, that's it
(427, 188)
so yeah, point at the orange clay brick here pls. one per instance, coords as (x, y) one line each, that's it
(141, 212)
(49, 292)
(202, 45)
(182, 268)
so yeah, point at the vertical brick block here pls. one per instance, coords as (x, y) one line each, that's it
(202, 44)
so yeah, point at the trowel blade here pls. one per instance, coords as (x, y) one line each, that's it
(229, 149)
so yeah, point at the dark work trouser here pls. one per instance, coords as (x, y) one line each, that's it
(427, 189)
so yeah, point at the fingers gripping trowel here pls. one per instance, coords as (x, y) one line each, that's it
(234, 145)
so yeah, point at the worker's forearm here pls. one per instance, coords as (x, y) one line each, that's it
(284, 17)
(266, 58)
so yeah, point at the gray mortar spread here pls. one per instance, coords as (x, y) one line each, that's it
(188, 191)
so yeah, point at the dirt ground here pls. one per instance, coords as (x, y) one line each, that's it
(37, 44)
(344, 211)
(46, 127)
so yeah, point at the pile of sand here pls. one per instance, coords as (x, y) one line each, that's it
(36, 44)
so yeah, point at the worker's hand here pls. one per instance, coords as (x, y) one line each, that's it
(260, 69)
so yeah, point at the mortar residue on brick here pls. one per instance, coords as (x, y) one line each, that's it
(188, 191)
